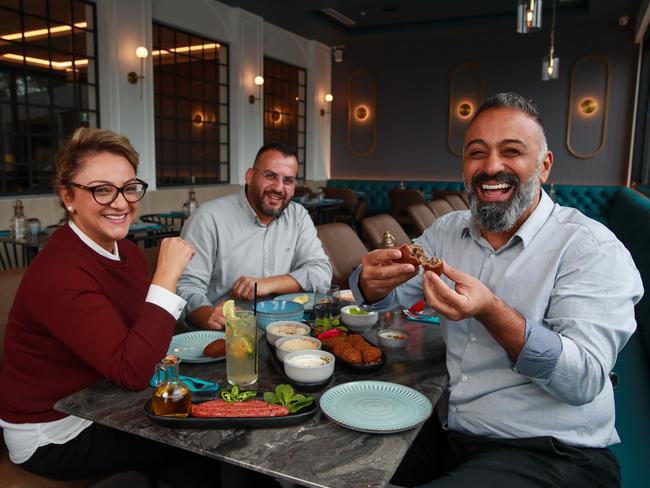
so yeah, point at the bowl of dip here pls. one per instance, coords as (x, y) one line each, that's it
(285, 345)
(285, 328)
(309, 366)
(395, 338)
(357, 319)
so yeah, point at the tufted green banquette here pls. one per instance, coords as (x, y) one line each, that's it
(629, 219)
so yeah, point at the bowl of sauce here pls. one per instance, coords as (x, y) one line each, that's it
(395, 338)
(285, 328)
(288, 344)
(313, 366)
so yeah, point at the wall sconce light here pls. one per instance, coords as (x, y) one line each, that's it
(529, 16)
(588, 106)
(276, 116)
(551, 63)
(464, 110)
(198, 119)
(142, 53)
(361, 113)
(328, 98)
(259, 81)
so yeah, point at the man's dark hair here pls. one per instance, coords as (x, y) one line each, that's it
(511, 100)
(284, 148)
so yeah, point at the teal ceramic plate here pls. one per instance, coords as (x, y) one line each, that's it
(289, 297)
(189, 346)
(375, 407)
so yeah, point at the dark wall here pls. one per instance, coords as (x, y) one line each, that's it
(412, 69)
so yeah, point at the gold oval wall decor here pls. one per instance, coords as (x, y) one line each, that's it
(465, 93)
(588, 106)
(362, 113)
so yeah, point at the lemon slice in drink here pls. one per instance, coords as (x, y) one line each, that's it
(229, 309)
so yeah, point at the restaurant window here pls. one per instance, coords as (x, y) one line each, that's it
(285, 89)
(191, 108)
(48, 86)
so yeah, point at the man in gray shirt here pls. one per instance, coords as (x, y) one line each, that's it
(255, 236)
(536, 300)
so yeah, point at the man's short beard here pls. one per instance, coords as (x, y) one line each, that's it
(502, 216)
(258, 198)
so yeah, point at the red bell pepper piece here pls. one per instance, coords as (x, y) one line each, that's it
(329, 334)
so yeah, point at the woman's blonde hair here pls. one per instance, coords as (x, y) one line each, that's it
(85, 143)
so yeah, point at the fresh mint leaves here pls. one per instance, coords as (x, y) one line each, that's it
(285, 395)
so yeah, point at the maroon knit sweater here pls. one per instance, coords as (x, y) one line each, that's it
(79, 317)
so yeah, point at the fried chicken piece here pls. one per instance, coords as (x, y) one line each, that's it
(356, 340)
(345, 351)
(369, 353)
(333, 341)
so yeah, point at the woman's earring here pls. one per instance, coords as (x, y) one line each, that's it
(70, 209)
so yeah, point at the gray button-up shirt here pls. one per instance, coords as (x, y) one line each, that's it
(231, 242)
(576, 285)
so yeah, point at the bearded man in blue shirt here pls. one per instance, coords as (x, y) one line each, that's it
(536, 301)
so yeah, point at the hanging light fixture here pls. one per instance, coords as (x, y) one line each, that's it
(529, 16)
(551, 63)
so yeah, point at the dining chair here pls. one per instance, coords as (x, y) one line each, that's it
(344, 248)
(440, 207)
(401, 200)
(354, 209)
(421, 217)
(301, 191)
(170, 220)
(13, 254)
(456, 201)
(151, 238)
(373, 229)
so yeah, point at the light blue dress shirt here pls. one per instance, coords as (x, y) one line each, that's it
(576, 285)
(231, 242)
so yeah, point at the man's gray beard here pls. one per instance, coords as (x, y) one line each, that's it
(502, 216)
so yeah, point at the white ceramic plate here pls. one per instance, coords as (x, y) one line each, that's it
(189, 346)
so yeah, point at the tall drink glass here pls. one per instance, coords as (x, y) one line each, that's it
(241, 348)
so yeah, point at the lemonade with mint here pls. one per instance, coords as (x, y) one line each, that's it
(241, 345)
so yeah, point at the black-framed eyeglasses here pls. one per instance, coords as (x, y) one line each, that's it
(106, 193)
(273, 177)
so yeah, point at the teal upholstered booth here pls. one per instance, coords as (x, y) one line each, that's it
(629, 219)
(627, 213)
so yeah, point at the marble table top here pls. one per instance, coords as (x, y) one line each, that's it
(317, 453)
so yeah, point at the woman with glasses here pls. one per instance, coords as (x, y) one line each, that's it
(86, 311)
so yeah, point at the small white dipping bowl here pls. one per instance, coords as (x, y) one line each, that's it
(285, 345)
(285, 328)
(309, 366)
(394, 338)
(358, 323)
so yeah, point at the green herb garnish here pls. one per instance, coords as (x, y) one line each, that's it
(285, 395)
(234, 395)
(357, 311)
